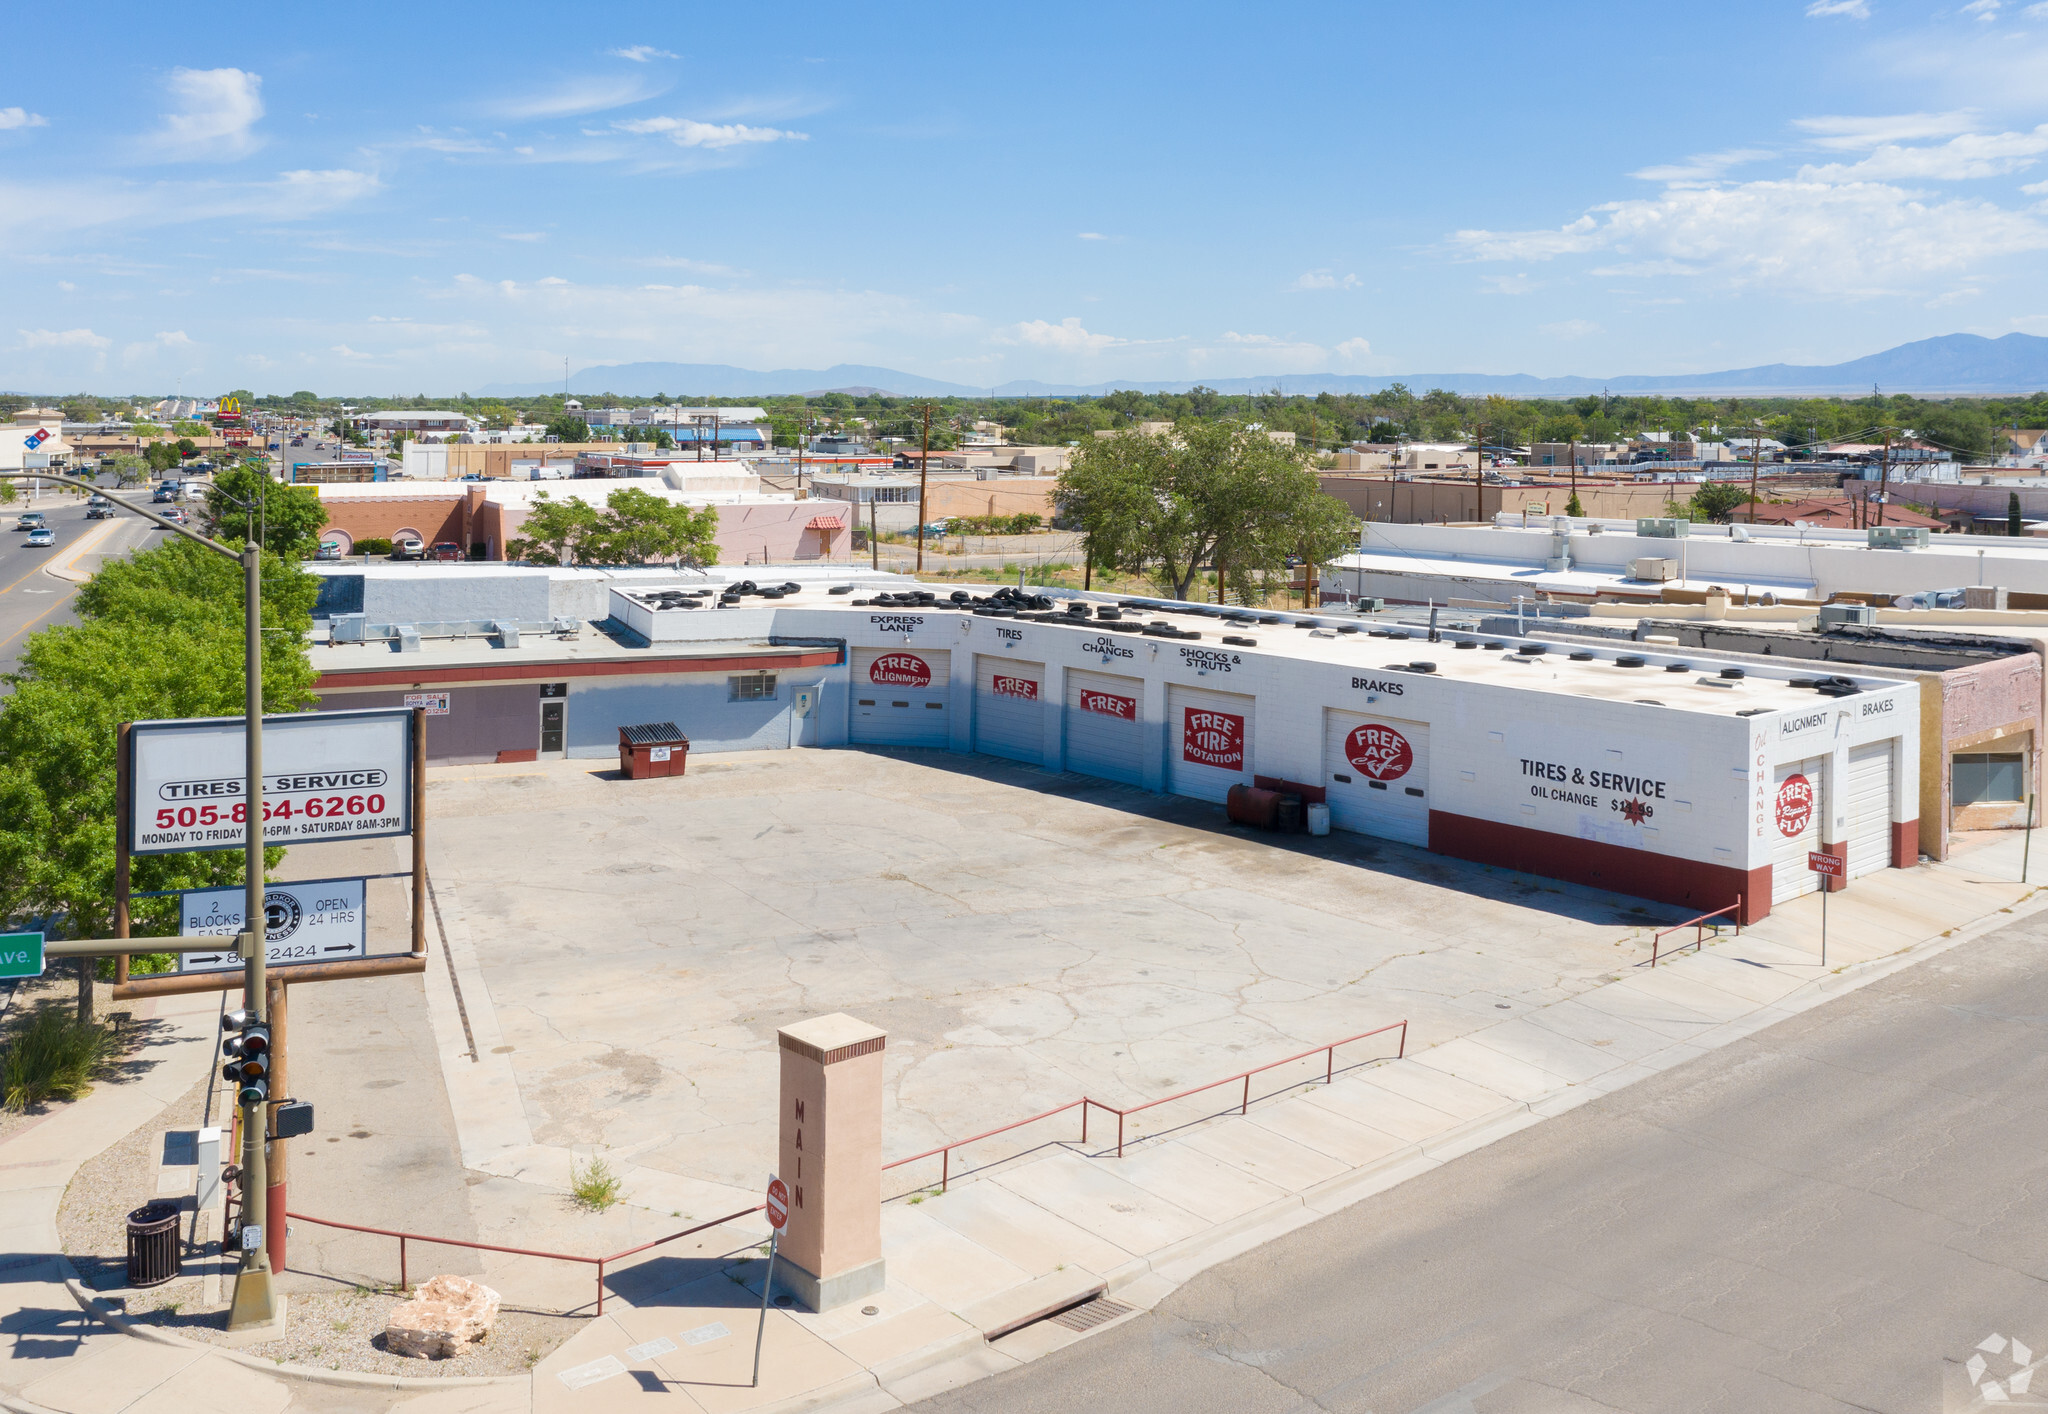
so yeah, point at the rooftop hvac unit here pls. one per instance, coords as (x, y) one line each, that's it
(1663, 528)
(1898, 537)
(1832, 615)
(1653, 569)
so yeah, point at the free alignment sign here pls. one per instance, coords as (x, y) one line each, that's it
(326, 776)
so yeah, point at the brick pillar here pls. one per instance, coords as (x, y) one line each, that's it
(831, 1158)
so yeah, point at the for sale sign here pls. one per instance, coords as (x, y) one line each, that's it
(436, 703)
(900, 670)
(326, 776)
(1379, 751)
(1795, 806)
(1212, 739)
(1109, 704)
(1015, 687)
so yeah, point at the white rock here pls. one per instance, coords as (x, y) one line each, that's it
(443, 1318)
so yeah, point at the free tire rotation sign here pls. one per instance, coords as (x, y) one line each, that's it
(326, 776)
(1213, 739)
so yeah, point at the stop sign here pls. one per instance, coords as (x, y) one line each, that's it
(778, 1204)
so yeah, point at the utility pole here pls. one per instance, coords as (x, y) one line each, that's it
(1756, 452)
(1884, 472)
(924, 467)
(1575, 467)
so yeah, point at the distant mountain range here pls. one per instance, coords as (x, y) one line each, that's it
(1950, 364)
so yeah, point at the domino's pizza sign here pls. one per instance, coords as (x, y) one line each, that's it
(36, 438)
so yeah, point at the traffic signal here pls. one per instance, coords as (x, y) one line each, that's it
(248, 1053)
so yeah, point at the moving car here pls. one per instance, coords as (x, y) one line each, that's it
(446, 552)
(408, 547)
(102, 511)
(175, 513)
(41, 537)
(29, 520)
(329, 550)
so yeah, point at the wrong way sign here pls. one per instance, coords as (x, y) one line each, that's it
(1832, 865)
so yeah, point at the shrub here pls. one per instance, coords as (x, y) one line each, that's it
(375, 545)
(594, 1185)
(51, 1055)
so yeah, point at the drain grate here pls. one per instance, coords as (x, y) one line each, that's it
(1090, 1314)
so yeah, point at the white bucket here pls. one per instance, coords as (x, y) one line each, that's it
(1318, 818)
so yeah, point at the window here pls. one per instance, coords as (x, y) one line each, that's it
(750, 687)
(1988, 776)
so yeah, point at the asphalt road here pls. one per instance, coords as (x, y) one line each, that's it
(31, 599)
(1814, 1219)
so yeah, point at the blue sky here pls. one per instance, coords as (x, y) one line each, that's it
(431, 198)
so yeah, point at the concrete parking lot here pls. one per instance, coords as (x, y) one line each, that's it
(1024, 937)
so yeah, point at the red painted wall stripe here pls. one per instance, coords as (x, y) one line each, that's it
(555, 672)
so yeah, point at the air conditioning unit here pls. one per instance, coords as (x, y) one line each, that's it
(1662, 528)
(1832, 615)
(1653, 570)
(1897, 537)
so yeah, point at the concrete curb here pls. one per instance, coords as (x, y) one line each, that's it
(61, 568)
(357, 1379)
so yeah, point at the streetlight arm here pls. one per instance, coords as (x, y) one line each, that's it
(165, 522)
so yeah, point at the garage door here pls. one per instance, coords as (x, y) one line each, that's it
(1870, 808)
(1796, 798)
(900, 697)
(1208, 742)
(1376, 770)
(1009, 708)
(1104, 726)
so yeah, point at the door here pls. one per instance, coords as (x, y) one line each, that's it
(1208, 742)
(1796, 799)
(1376, 774)
(901, 697)
(1870, 808)
(1104, 730)
(554, 713)
(1009, 708)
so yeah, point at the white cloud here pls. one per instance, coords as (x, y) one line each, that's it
(687, 132)
(522, 235)
(21, 118)
(62, 339)
(1091, 236)
(1067, 336)
(346, 352)
(680, 262)
(1961, 158)
(587, 95)
(42, 213)
(1519, 284)
(1854, 9)
(1985, 10)
(1571, 329)
(1854, 133)
(1702, 167)
(1324, 280)
(1354, 353)
(2037, 12)
(641, 53)
(1809, 237)
(168, 339)
(2035, 188)
(216, 114)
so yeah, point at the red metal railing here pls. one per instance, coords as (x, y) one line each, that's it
(599, 1262)
(944, 1153)
(1699, 927)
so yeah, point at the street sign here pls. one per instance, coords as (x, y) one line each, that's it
(326, 776)
(21, 954)
(1832, 865)
(303, 923)
(778, 1204)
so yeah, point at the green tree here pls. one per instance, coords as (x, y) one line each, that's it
(1572, 507)
(638, 526)
(1207, 492)
(186, 448)
(1716, 500)
(160, 456)
(129, 469)
(160, 635)
(2013, 524)
(553, 530)
(289, 517)
(564, 428)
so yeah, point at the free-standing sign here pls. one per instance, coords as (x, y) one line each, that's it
(1795, 806)
(321, 921)
(326, 776)
(21, 954)
(778, 1204)
(1832, 865)
(1212, 739)
(1379, 751)
(436, 703)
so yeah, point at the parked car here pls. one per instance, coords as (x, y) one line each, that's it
(408, 547)
(41, 537)
(29, 520)
(329, 550)
(446, 552)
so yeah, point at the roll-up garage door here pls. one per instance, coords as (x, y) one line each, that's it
(1104, 731)
(1208, 742)
(1796, 798)
(900, 696)
(1009, 708)
(1870, 808)
(1376, 772)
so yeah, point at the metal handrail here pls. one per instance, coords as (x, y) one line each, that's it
(599, 1262)
(1699, 927)
(944, 1152)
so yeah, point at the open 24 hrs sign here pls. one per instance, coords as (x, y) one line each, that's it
(326, 776)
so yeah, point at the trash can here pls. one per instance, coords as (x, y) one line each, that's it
(652, 749)
(1318, 818)
(154, 1254)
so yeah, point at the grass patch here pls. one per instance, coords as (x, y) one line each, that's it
(51, 1055)
(594, 1185)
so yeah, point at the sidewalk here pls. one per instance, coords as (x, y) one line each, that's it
(1034, 1231)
